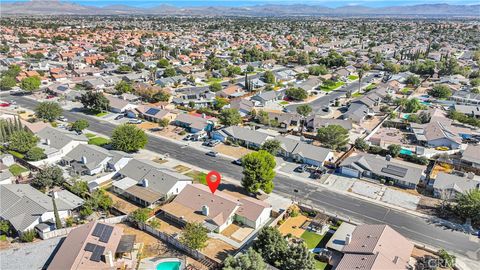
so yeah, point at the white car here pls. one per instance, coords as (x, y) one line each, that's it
(63, 119)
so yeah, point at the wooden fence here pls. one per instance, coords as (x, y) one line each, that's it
(197, 255)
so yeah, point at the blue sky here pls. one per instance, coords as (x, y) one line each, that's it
(331, 3)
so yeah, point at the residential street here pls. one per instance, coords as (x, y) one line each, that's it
(324, 101)
(417, 229)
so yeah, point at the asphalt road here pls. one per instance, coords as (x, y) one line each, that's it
(324, 101)
(418, 229)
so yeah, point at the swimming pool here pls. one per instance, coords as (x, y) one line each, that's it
(169, 266)
(406, 152)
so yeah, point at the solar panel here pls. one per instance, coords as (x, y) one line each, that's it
(106, 234)
(90, 247)
(97, 253)
(152, 111)
(98, 229)
(393, 172)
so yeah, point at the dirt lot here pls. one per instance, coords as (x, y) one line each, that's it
(122, 204)
(236, 152)
(171, 132)
(151, 245)
(293, 226)
(217, 249)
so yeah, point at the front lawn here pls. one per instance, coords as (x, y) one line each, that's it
(214, 80)
(90, 135)
(311, 239)
(16, 169)
(284, 102)
(95, 112)
(99, 141)
(355, 95)
(331, 87)
(199, 177)
(352, 77)
(320, 265)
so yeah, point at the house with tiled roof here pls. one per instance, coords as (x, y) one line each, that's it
(216, 211)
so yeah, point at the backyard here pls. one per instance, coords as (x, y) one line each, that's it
(16, 169)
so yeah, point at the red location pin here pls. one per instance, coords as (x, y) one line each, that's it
(213, 180)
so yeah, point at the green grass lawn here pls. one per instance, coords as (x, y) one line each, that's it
(90, 135)
(16, 154)
(357, 95)
(101, 114)
(370, 87)
(16, 169)
(405, 90)
(328, 88)
(214, 80)
(352, 77)
(284, 102)
(311, 239)
(320, 265)
(99, 141)
(199, 177)
(94, 112)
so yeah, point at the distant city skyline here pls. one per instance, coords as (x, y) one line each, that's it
(236, 3)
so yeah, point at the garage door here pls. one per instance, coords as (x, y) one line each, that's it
(349, 172)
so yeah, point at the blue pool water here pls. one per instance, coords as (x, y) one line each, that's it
(406, 152)
(168, 266)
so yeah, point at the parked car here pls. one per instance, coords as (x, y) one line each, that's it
(135, 121)
(189, 137)
(212, 153)
(315, 175)
(62, 118)
(237, 162)
(301, 168)
(6, 104)
(120, 116)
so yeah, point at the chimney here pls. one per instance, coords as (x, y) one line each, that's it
(109, 258)
(145, 182)
(84, 159)
(47, 141)
(348, 239)
(205, 210)
(388, 157)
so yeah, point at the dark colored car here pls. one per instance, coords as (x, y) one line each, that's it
(237, 162)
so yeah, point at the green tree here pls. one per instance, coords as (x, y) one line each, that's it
(394, 150)
(233, 70)
(140, 215)
(440, 91)
(30, 83)
(163, 63)
(258, 171)
(139, 66)
(169, 72)
(250, 69)
(194, 236)
(35, 154)
(79, 187)
(304, 110)
(268, 77)
(162, 96)
(215, 87)
(271, 245)
(13, 71)
(413, 105)
(80, 124)
(7, 83)
(298, 257)
(448, 259)
(128, 138)
(251, 260)
(124, 87)
(48, 110)
(220, 103)
(317, 70)
(296, 93)
(230, 117)
(468, 205)
(361, 144)
(94, 101)
(271, 146)
(124, 69)
(164, 122)
(413, 80)
(99, 200)
(22, 141)
(333, 136)
(48, 177)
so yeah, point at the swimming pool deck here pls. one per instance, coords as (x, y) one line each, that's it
(152, 262)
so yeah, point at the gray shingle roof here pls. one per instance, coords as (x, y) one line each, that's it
(246, 134)
(460, 184)
(57, 138)
(94, 155)
(378, 164)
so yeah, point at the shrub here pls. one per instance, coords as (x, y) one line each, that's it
(28, 236)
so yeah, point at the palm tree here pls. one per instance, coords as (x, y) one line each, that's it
(361, 72)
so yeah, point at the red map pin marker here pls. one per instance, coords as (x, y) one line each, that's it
(213, 180)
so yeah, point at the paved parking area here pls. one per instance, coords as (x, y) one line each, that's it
(289, 167)
(400, 198)
(366, 189)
